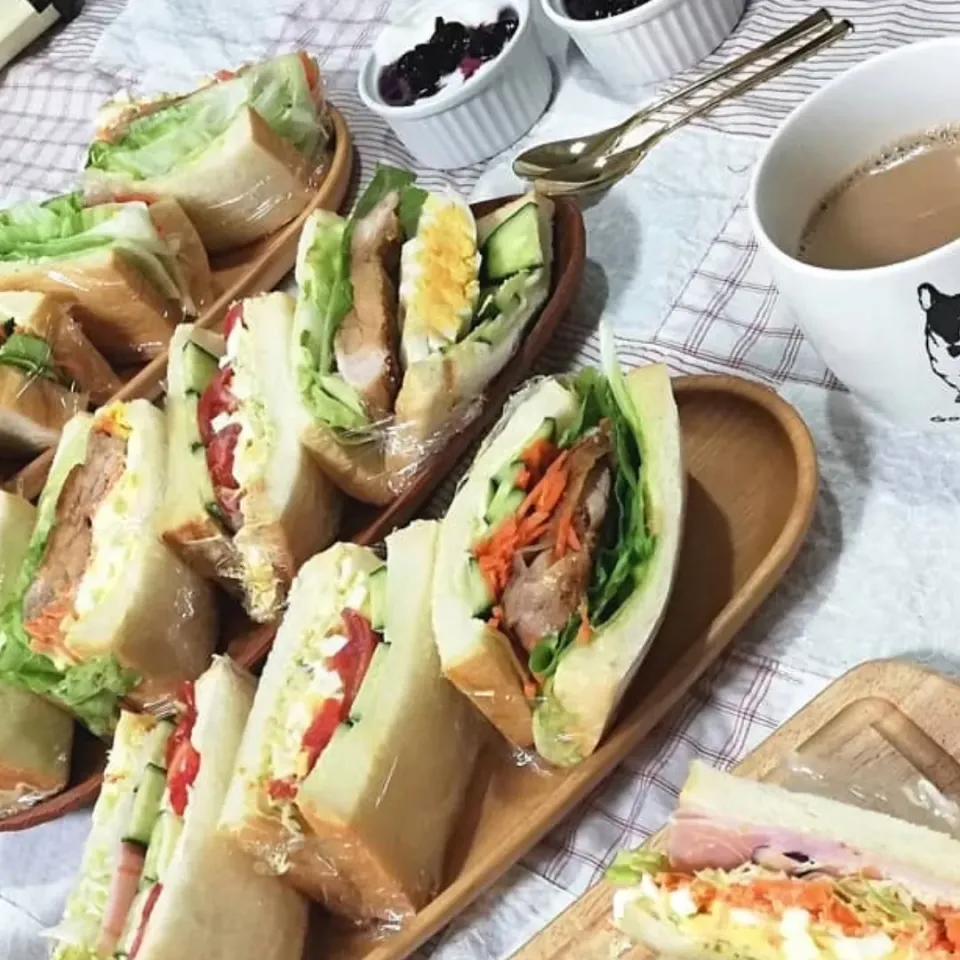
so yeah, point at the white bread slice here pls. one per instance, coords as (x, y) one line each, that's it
(247, 186)
(435, 388)
(289, 514)
(17, 519)
(158, 618)
(924, 855)
(215, 902)
(190, 257)
(591, 679)
(83, 913)
(120, 309)
(478, 659)
(406, 762)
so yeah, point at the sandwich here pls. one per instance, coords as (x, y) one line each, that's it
(245, 505)
(237, 154)
(357, 755)
(407, 310)
(156, 880)
(751, 870)
(133, 270)
(468, 292)
(558, 553)
(102, 609)
(49, 371)
(35, 736)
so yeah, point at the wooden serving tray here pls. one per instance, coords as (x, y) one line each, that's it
(250, 270)
(752, 485)
(885, 722)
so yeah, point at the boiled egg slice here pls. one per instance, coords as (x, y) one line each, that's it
(439, 278)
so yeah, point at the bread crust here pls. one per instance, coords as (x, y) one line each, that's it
(358, 470)
(252, 184)
(33, 410)
(179, 233)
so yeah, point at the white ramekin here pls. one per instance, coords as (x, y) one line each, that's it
(652, 42)
(491, 111)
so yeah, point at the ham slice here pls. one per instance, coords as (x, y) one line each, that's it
(123, 890)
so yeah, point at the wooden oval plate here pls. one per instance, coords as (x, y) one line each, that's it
(249, 643)
(752, 484)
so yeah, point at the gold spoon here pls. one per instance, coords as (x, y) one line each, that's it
(541, 159)
(598, 173)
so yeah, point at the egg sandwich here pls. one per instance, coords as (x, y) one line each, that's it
(238, 153)
(102, 609)
(748, 869)
(133, 270)
(35, 736)
(49, 371)
(245, 505)
(558, 553)
(468, 291)
(156, 881)
(357, 755)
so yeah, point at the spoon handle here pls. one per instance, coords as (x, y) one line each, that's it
(837, 31)
(615, 135)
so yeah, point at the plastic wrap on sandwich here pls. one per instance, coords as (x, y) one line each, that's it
(407, 310)
(557, 556)
(101, 610)
(241, 154)
(245, 505)
(353, 769)
(131, 270)
(49, 371)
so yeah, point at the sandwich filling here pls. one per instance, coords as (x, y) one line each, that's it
(152, 139)
(320, 697)
(87, 550)
(561, 540)
(23, 350)
(762, 913)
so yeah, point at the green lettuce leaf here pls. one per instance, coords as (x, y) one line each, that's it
(176, 135)
(58, 227)
(30, 354)
(630, 865)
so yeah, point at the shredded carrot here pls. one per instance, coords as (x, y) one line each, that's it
(538, 455)
(523, 478)
(951, 929)
(530, 689)
(585, 631)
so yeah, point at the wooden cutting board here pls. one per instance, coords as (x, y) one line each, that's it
(885, 723)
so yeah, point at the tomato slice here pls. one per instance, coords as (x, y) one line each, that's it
(282, 789)
(224, 75)
(216, 399)
(220, 452)
(147, 198)
(321, 730)
(188, 717)
(352, 661)
(234, 315)
(181, 773)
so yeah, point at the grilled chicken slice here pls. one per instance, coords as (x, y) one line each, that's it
(544, 590)
(366, 343)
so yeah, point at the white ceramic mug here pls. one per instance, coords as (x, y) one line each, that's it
(891, 334)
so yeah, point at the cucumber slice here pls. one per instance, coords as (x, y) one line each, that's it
(146, 805)
(547, 430)
(377, 598)
(478, 592)
(514, 245)
(368, 689)
(199, 368)
(163, 843)
(157, 744)
(505, 501)
(134, 919)
(507, 475)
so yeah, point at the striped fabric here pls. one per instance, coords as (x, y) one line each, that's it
(726, 318)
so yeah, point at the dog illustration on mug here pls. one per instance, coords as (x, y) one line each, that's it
(942, 334)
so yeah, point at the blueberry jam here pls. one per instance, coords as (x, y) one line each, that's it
(600, 9)
(453, 46)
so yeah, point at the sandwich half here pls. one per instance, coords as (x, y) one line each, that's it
(157, 882)
(468, 291)
(355, 761)
(748, 869)
(130, 286)
(558, 553)
(103, 609)
(49, 370)
(245, 505)
(345, 337)
(237, 154)
(35, 736)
